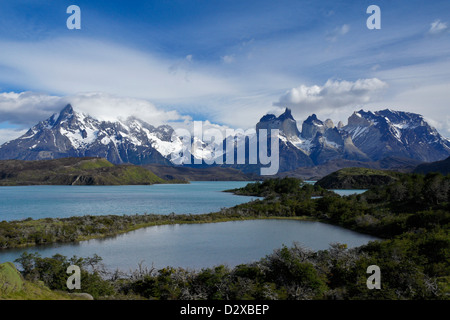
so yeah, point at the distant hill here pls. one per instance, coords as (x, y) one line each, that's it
(317, 172)
(357, 178)
(438, 166)
(200, 174)
(73, 171)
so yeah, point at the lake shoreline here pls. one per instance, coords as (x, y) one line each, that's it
(158, 220)
(46, 223)
(27, 233)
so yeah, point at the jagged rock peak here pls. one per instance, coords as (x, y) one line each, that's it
(286, 115)
(267, 117)
(67, 109)
(65, 113)
(285, 123)
(357, 119)
(329, 123)
(311, 126)
(313, 120)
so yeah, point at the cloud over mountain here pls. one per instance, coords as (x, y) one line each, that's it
(333, 94)
(26, 108)
(21, 110)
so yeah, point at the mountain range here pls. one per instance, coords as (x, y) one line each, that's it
(368, 137)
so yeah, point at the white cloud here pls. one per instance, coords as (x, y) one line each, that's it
(10, 134)
(337, 32)
(205, 125)
(228, 59)
(27, 108)
(344, 29)
(437, 27)
(237, 94)
(431, 101)
(334, 94)
(67, 66)
(108, 107)
(421, 89)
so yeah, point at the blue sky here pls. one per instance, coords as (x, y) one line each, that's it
(226, 61)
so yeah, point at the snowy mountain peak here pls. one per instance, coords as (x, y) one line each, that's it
(66, 113)
(368, 136)
(396, 133)
(357, 119)
(74, 134)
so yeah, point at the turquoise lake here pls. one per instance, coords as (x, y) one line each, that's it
(190, 246)
(37, 202)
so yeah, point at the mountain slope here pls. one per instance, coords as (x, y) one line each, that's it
(438, 166)
(399, 134)
(72, 134)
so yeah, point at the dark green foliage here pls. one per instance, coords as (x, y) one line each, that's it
(414, 266)
(271, 188)
(357, 178)
(53, 272)
(414, 192)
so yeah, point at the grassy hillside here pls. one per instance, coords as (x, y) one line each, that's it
(357, 178)
(10, 279)
(14, 287)
(73, 171)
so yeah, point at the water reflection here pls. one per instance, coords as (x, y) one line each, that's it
(202, 245)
